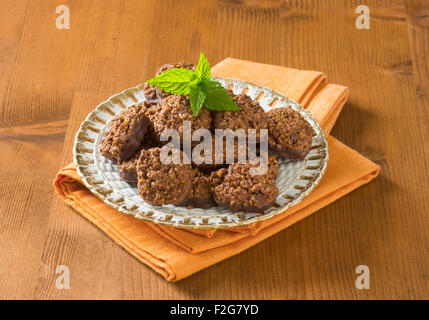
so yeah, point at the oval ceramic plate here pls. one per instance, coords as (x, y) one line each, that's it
(295, 181)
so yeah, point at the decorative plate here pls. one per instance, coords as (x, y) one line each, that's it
(296, 179)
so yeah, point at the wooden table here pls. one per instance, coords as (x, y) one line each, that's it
(50, 79)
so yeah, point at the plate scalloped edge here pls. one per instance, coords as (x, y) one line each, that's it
(101, 176)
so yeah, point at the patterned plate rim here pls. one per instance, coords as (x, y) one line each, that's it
(84, 162)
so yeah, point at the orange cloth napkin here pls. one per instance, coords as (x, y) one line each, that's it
(300, 85)
(177, 253)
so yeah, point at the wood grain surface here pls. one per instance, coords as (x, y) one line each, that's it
(51, 79)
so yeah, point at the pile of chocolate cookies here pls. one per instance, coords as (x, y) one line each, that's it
(133, 141)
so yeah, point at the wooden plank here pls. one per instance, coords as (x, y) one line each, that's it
(418, 29)
(12, 20)
(378, 121)
(29, 152)
(40, 85)
(116, 46)
(28, 163)
(418, 24)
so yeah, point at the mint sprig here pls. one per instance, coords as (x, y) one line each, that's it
(201, 87)
(175, 80)
(197, 98)
(217, 98)
(202, 70)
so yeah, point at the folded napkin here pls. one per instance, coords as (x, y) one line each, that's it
(178, 253)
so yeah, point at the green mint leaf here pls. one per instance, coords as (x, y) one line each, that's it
(196, 84)
(175, 80)
(203, 90)
(217, 98)
(203, 68)
(197, 97)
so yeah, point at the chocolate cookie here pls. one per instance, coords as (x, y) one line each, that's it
(217, 177)
(201, 195)
(221, 160)
(151, 138)
(125, 133)
(154, 94)
(242, 191)
(172, 111)
(250, 116)
(266, 165)
(179, 65)
(128, 168)
(160, 183)
(149, 92)
(289, 134)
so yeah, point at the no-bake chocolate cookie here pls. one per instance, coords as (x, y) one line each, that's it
(149, 92)
(289, 134)
(250, 116)
(221, 160)
(217, 177)
(128, 168)
(201, 194)
(160, 183)
(180, 65)
(154, 94)
(242, 191)
(150, 111)
(172, 111)
(125, 133)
